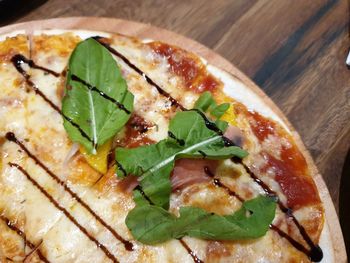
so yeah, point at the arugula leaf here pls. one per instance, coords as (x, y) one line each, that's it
(220, 110)
(204, 101)
(97, 100)
(151, 224)
(190, 138)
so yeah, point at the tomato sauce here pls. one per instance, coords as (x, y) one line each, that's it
(187, 66)
(261, 126)
(134, 139)
(291, 169)
(135, 133)
(291, 174)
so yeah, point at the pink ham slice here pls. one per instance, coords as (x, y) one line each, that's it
(128, 183)
(186, 172)
(235, 134)
(191, 171)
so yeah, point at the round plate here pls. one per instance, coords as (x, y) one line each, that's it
(148, 31)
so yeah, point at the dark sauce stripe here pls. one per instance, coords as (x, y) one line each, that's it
(295, 243)
(26, 241)
(189, 251)
(218, 183)
(204, 155)
(139, 188)
(182, 242)
(17, 61)
(101, 93)
(22, 59)
(121, 168)
(141, 73)
(11, 137)
(209, 124)
(33, 251)
(212, 126)
(64, 211)
(181, 142)
(315, 254)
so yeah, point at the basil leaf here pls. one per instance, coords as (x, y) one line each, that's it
(154, 163)
(96, 100)
(151, 224)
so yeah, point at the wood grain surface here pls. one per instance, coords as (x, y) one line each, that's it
(294, 50)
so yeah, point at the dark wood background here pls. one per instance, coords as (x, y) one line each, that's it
(294, 50)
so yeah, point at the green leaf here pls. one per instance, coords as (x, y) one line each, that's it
(151, 224)
(190, 138)
(220, 110)
(222, 125)
(96, 100)
(204, 101)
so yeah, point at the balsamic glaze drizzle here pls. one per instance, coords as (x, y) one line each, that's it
(189, 251)
(209, 124)
(182, 242)
(101, 93)
(121, 168)
(140, 72)
(212, 126)
(64, 211)
(295, 243)
(33, 251)
(11, 226)
(17, 61)
(139, 188)
(218, 183)
(204, 155)
(315, 254)
(181, 142)
(127, 244)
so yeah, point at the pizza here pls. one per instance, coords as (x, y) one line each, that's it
(119, 149)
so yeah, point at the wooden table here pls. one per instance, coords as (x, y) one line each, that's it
(294, 50)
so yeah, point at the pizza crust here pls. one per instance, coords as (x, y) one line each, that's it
(12, 34)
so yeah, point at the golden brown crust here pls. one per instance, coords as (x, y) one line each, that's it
(12, 46)
(61, 45)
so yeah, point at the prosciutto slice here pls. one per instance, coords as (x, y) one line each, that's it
(191, 171)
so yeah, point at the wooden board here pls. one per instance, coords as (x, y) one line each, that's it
(147, 31)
